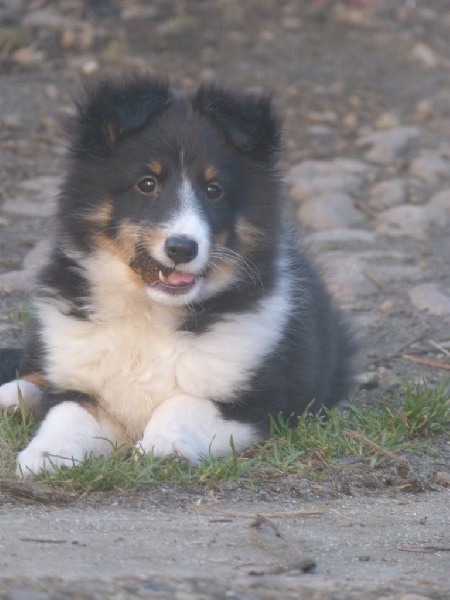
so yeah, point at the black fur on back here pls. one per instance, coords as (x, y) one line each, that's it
(9, 364)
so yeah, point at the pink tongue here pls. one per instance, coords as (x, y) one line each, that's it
(177, 279)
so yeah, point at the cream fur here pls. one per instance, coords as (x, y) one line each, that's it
(132, 357)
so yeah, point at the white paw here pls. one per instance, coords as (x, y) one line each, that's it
(9, 396)
(67, 435)
(46, 455)
(160, 444)
(193, 428)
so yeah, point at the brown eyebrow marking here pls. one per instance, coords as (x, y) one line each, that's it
(155, 167)
(211, 173)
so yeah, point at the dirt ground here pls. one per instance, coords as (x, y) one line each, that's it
(340, 71)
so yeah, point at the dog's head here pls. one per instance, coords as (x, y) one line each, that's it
(180, 188)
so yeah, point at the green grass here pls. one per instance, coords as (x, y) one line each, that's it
(306, 446)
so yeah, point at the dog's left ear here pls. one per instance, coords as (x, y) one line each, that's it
(112, 109)
(249, 121)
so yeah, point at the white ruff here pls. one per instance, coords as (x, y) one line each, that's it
(132, 357)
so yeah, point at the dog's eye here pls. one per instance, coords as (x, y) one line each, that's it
(214, 191)
(147, 185)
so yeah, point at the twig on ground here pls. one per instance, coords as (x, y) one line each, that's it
(397, 352)
(35, 491)
(440, 348)
(269, 515)
(426, 361)
(377, 447)
(426, 549)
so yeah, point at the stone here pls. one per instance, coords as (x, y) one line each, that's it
(331, 239)
(38, 198)
(26, 57)
(423, 109)
(425, 55)
(329, 211)
(15, 281)
(430, 298)
(430, 167)
(345, 277)
(314, 177)
(385, 146)
(406, 220)
(384, 273)
(386, 307)
(387, 121)
(441, 200)
(409, 596)
(388, 193)
(90, 66)
(367, 380)
(49, 19)
(443, 477)
(20, 206)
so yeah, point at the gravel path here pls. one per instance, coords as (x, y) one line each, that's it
(364, 87)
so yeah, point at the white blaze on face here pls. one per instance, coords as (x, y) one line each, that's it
(191, 223)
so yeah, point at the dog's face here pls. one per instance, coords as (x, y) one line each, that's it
(180, 189)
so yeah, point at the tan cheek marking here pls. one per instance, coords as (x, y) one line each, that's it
(225, 271)
(102, 214)
(221, 239)
(225, 267)
(154, 237)
(124, 248)
(251, 237)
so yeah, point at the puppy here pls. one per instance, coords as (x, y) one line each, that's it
(176, 312)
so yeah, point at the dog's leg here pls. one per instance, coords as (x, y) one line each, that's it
(29, 388)
(194, 427)
(70, 432)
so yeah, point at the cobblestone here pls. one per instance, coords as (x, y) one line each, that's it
(430, 297)
(409, 221)
(385, 146)
(387, 194)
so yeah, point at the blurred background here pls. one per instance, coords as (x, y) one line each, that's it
(335, 65)
(363, 86)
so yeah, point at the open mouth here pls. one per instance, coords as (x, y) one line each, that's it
(159, 276)
(174, 282)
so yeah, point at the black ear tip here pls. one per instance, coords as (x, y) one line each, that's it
(249, 120)
(112, 107)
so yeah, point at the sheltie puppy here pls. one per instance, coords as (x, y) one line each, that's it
(176, 312)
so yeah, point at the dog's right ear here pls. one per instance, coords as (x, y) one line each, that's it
(112, 109)
(248, 121)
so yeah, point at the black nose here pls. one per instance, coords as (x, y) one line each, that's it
(181, 249)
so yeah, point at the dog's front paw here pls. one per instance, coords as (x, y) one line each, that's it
(68, 435)
(193, 428)
(161, 445)
(10, 395)
(49, 456)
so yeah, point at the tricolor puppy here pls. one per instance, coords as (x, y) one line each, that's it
(175, 311)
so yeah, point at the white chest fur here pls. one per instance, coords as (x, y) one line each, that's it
(134, 361)
(133, 354)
